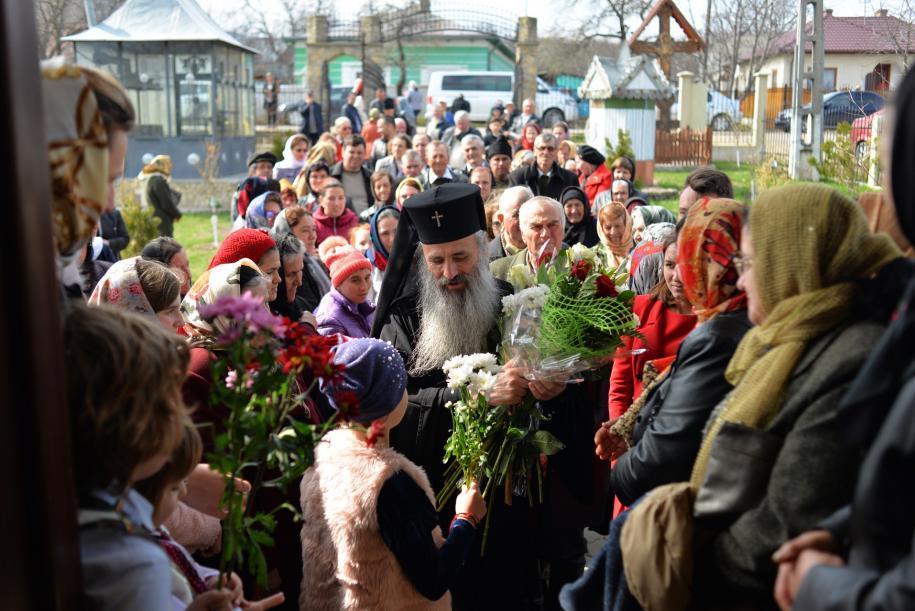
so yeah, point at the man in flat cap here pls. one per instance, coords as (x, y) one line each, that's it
(439, 300)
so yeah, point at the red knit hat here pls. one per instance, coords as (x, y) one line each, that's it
(243, 244)
(344, 263)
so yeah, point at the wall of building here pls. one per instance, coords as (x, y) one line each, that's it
(851, 69)
(421, 58)
(637, 117)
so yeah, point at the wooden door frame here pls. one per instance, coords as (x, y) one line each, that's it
(38, 513)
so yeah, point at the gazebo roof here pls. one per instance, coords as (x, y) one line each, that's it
(158, 21)
(627, 77)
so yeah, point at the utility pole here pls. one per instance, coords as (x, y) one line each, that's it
(806, 143)
(708, 31)
(90, 12)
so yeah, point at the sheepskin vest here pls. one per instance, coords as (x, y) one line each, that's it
(346, 562)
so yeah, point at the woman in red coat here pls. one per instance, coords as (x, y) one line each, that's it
(596, 177)
(665, 318)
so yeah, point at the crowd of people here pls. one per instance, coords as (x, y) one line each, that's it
(748, 448)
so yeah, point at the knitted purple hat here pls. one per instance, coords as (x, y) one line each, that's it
(374, 372)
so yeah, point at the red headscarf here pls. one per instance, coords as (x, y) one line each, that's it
(528, 145)
(243, 244)
(707, 245)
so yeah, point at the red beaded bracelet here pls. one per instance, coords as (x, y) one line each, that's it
(468, 517)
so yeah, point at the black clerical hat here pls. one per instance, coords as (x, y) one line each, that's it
(500, 146)
(447, 212)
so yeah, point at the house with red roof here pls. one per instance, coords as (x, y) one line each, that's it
(862, 53)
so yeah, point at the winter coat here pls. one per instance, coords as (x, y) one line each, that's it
(347, 564)
(599, 181)
(114, 229)
(876, 532)
(327, 226)
(662, 329)
(796, 491)
(558, 181)
(668, 430)
(164, 201)
(337, 314)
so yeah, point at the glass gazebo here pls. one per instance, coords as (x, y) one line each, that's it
(191, 82)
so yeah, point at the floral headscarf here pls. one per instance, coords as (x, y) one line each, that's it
(160, 164)
(121, 287)
(708, 243)
(77, 154)
(215, 283)
(256, 216)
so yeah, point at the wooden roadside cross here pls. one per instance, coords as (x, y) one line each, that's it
(665, 46)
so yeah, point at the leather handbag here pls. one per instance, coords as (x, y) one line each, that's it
(737, 475)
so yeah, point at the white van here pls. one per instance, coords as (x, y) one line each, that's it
(484, 89)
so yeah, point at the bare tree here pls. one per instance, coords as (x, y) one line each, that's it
(56, 19)
(745, 31)
(608, 17)
(276, 28)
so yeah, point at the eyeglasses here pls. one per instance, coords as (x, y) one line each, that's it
(546, 148)
(742, 263)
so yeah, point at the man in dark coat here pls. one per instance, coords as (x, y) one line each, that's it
(312, 119)
(544, 176)
(441, 303)
(350, 111)
(114, 231)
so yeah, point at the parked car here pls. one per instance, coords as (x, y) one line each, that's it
(484, 89)
(861, 133)
(723, 112)
(839, 107)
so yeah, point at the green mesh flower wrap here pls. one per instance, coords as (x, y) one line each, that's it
(589, 327)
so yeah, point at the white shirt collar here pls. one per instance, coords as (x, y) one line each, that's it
(433, 176)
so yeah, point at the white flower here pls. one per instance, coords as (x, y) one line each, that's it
(581, 252)
(462, 369)
(534, 297)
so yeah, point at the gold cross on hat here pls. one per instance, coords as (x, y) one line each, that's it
(437, 217)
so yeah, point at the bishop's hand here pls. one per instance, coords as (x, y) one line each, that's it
(510, 386)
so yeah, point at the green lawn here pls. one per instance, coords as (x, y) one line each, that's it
(195, 232)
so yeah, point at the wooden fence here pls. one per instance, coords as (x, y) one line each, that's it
(777, 99)
(683, 147)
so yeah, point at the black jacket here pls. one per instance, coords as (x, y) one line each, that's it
(876, 532)
(668, 430)
(114, 229)
(557, 182)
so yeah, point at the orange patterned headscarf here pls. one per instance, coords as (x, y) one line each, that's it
(707, 245)
(77, 152)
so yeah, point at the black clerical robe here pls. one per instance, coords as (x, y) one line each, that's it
(506, 576)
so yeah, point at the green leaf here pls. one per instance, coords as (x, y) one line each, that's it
(547, 443)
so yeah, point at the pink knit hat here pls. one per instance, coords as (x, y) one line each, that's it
(329, 246)
(344, 263)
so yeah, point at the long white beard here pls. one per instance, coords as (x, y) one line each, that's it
(453, 323)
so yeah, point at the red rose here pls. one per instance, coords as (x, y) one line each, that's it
(580, 270)
(605, 286)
